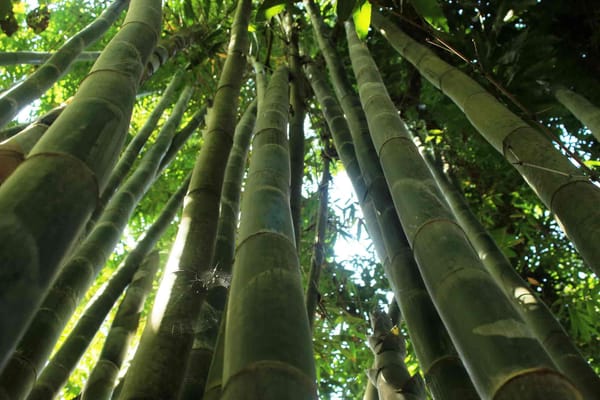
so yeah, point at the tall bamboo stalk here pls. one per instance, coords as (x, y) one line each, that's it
(390, 375)
(501, 354)
(318, 254)
(132, 150)
(14, 99)
(46, 201)
(56, 373)
(38, 58)
(268, 349)
(572, 197)
(441, 366)
(101, 380)
(158, 368)
(581, 108)
(296, 123)
(78, 273)
(206, 334)
(534, 311)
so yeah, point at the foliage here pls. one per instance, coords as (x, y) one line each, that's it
(512, 47)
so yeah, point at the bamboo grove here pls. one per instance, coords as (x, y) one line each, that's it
(172, 217)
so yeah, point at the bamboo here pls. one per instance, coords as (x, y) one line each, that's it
(532, 309)
(441, 366)
(46, 201)
(206, 335)
(296, 123)
(581, 108)
(157, 370)
(38, 58)
(502, 357)
(318, 253)
(390, 375)
(572, 197)
(132, 150)
(56, 373)
(14, 99)
(78, 273)
(268, 350)
(101, 380)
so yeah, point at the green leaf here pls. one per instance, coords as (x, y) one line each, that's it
(362, 19)
(344, 8)
(432, 12)
(268, 9)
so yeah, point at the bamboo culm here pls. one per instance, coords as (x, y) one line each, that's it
(477, 314)
(37, 58)
(158, 368)
(83, 265)
(268, 349)
(45, 203)
(441, 366)
(562, 187)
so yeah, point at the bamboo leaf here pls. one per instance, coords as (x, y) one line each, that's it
(432, 12)
(268, 9)
(362, 19)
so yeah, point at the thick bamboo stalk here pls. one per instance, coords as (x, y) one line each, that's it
(14, 99)
(268, 349)
(158, 368)
(38, 58)
(389, 373)
(443, 370)
(101, 381)
(296, 123)
(78, 273)
(534, 311)
(572, 197)
(46, 201)
(318, 254)
(56, 373)
(14, 149)
(581, 108)
(205, 336)
(132, 150)
(501, 354)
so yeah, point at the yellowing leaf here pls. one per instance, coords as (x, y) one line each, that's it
(362, 19)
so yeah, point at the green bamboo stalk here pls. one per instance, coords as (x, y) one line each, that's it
(56, 373)
(38, 58)
(371, 392)
(181, 137)
(296, 123)
(268, 350)
(205, 337)
(14, 149)
(100, 382)
(572, 197)
(132, 150)
(318, 254)
(389, 374)
(503, 358)
(46, 201)
(444, 373)
(47, 118)
(14, 99)
(78, 273)
(157, 370)
(532, 309)
(581, 108)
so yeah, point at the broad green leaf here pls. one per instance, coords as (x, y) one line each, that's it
(362, 19)
(431, 10)
(268, 9)
(344, 8)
